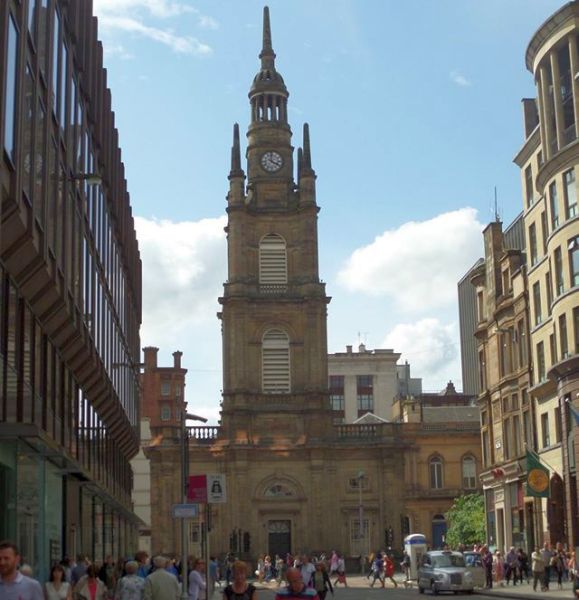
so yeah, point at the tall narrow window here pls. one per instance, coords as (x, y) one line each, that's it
(11, 87)
(275, 362)
(570, 193)
(468, 472)
(541, 361)
(365, 393)
(516, 435)
(549, 290)
(436, 473)
(559, 282)
(545, 433)
(537, 303)
(554, 204)
(272, 261)
(563, 341)
(55, 65)
(533, 244)
(482, 369)
(337, 392)
(576, 328)
(480, 304)
(544, 231)
(529, 185)
(574, 260)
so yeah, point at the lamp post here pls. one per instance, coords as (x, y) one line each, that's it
(184, 481)
(361, 475)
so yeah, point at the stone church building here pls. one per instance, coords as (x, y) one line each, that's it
(295, 480)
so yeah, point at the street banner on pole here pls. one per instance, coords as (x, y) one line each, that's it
(538, 483)
(197, 489)
(216, 489)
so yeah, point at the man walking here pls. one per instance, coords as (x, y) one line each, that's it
(14, 585)
(546, 555)
(160, 584)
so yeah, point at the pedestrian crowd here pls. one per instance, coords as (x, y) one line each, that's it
(306, 577)
(142, 579)
(542, 567)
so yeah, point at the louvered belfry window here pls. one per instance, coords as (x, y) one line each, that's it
(272, 261)
(275, 362)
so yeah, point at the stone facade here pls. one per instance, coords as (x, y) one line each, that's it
(295, 481)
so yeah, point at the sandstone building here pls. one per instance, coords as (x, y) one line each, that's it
(295, 480)
(527, 310)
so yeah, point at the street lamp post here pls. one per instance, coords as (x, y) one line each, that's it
(361, 519)
(184, 485)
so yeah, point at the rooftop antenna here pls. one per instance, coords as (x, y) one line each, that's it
(497, 215)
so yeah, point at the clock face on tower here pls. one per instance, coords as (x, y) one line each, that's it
(271, 161)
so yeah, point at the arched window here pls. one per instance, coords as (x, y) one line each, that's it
(436, 473)
(275, 362)
(279, 490)
(272, 260)
(469, 472)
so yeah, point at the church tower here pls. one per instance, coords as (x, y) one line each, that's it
(274, 306)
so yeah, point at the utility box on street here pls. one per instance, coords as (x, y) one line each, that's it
(415, 547)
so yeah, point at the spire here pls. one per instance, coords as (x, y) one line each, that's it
(267, 54)
(307, 154)
(235, 151)
(300, 163)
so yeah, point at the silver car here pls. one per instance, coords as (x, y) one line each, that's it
(444, 571)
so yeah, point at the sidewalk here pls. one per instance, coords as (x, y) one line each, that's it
(525, 590)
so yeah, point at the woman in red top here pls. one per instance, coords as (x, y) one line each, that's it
(389, 570)
(89, 587)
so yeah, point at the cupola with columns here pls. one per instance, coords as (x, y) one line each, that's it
(274, 304)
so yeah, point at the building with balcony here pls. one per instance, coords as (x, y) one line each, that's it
(549, 159)
(527, 309)
(70, 289)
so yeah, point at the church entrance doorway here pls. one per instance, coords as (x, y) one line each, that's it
(279, 537)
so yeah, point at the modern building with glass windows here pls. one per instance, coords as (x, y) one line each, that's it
(70, 292)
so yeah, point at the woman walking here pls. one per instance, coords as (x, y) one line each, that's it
(57, 588)
(321, 581)
(89, 587)
(239, 588)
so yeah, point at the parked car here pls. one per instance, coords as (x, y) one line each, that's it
(444, 571)
(473, 561)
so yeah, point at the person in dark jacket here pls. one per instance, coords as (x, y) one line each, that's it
(321, 581)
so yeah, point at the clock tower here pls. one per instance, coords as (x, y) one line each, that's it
(274, 306)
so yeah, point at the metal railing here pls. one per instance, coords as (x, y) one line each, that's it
(203, 433)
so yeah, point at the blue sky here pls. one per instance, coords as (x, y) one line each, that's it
(415, 116)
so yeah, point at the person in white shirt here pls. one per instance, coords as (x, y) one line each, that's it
(196, 579)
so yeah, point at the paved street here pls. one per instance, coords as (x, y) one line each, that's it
(358, 589)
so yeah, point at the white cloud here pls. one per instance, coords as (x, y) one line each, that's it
(431, 348)
(133, 16)
(459, 79)
(207, 22)
(156, 8)
(112, 49)
(180, 44)
(184, 267)
(419, 264)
